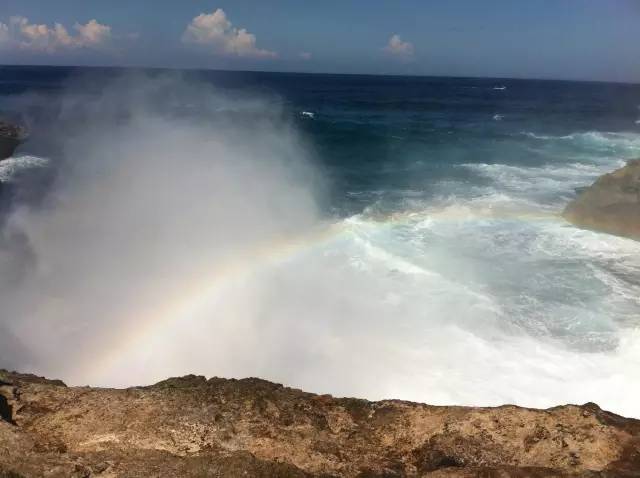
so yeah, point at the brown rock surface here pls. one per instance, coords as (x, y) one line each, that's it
(611, 204)
(190, 426)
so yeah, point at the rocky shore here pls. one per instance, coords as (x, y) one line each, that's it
(194, 427)
(611, 204)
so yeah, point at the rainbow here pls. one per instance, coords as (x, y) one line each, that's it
(192, 297)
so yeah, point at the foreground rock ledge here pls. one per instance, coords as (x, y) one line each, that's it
(611, 204)
(191, 426)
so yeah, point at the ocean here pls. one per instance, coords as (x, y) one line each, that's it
(372, 236)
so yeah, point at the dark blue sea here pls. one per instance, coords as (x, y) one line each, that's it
(374, 236)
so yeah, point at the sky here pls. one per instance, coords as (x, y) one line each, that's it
(559, 39)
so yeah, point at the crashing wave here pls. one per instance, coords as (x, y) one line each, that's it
(10, 168)
(500, 88)
(308, 114)
(600, 139)
(548, 185)
(498, 117)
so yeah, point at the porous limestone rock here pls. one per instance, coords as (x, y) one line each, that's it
(194, 427)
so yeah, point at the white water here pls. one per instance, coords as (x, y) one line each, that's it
(484, 296)
(12, 167)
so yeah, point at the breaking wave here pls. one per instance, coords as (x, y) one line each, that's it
(13, 167)
(594, 138)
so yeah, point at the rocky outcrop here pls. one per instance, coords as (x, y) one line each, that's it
(611, 204)
(10, 137)
(192, 426)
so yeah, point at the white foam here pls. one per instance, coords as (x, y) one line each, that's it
(463, 301)
(308, 114)
(508, 366)
(547, 312)
(498, 117)
(546, 184)
(597, 141)
(546, 137)
(424, 309)
(11, 167)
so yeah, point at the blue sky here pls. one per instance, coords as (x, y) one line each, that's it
(572, 39)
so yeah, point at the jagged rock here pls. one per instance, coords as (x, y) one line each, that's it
(611, 204)
(10, 137)
(191, 426)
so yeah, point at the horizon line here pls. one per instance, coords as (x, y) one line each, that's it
(387, 75)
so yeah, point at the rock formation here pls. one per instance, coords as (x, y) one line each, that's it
(194, 427)
(611, 204)
(10, 137)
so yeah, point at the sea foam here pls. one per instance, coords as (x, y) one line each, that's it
(10, 168)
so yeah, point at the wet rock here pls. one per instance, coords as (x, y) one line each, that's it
(611, 204)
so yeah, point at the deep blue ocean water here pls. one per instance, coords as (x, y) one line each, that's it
(451, 277)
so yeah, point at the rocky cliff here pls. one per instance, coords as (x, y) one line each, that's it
(611, 204)
(192, 426)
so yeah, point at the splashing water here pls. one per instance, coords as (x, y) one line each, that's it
(435, 267)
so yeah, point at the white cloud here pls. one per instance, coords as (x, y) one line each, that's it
(399, 48)
(19, 33)
(305, 55)
(93, 33)
(214, 29)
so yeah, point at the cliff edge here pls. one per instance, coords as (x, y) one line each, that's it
(194, 427)
(611, 204)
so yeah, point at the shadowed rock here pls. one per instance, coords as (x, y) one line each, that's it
(191, 426)
(611, 204)
(10, 137)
